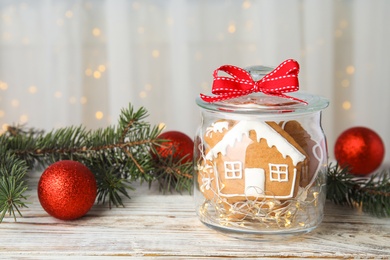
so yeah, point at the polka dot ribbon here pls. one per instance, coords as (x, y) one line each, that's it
(281, 80)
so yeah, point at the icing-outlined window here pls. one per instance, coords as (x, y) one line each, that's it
(278, 172)
(233, 170)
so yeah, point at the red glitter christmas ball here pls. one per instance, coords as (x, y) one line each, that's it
(67, 190)
(361, 149)
(178, 144)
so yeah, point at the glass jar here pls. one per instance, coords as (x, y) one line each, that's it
(260, 163)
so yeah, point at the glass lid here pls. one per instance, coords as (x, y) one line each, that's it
(261, 103)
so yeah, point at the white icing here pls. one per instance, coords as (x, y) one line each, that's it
(263, 130)
(276, 170)
(216, 127)
(233, 169)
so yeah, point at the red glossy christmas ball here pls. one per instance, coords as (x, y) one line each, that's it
(361, 149)
(177, 145)
(67, 190)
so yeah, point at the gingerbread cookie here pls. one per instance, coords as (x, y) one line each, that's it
(250, 161)
(311, 148)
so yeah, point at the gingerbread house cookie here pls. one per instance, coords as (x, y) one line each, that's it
(250, 160)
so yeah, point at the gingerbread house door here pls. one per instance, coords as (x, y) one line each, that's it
(254, 181)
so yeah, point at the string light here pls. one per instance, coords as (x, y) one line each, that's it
(3, 85)
(338, 33)
(345, 83)
(350, 70)
(155, 53)
(58, 94)
(4, 127)
(346, 105)
(15, 102)
(97, 74)
(260, 213)
(148, 87)
(32, 89)
(246, 4)
(23, 119)
(343, 24)
(96, 32)
(88, 72)
(102, 68)
(69, 14)
(99, 115)
(232, 28)
(142, 94)
(83, 100)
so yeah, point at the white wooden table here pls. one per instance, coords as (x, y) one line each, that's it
(154, 225)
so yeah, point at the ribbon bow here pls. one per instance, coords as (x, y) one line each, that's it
(281, 80)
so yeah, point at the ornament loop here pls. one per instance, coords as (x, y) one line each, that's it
(282, 79)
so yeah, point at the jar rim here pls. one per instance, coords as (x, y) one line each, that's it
(259, 103)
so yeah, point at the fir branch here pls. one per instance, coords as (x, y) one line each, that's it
(371, 195)
(339, 185)
(122, 150)
(174, 174)
(111, 186)
(116, 155)
(374, 194)
(12, 185)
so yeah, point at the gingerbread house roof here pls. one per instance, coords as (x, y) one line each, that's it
(263, 130)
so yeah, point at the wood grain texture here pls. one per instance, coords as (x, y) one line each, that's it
(154, 225)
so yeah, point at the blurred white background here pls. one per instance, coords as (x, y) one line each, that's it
(72, 62)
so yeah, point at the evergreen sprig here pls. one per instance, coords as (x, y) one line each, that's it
(117, 155)
(370, 194)
(174, 174)
(12, 184)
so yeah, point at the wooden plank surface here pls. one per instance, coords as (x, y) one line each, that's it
(165, 226)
